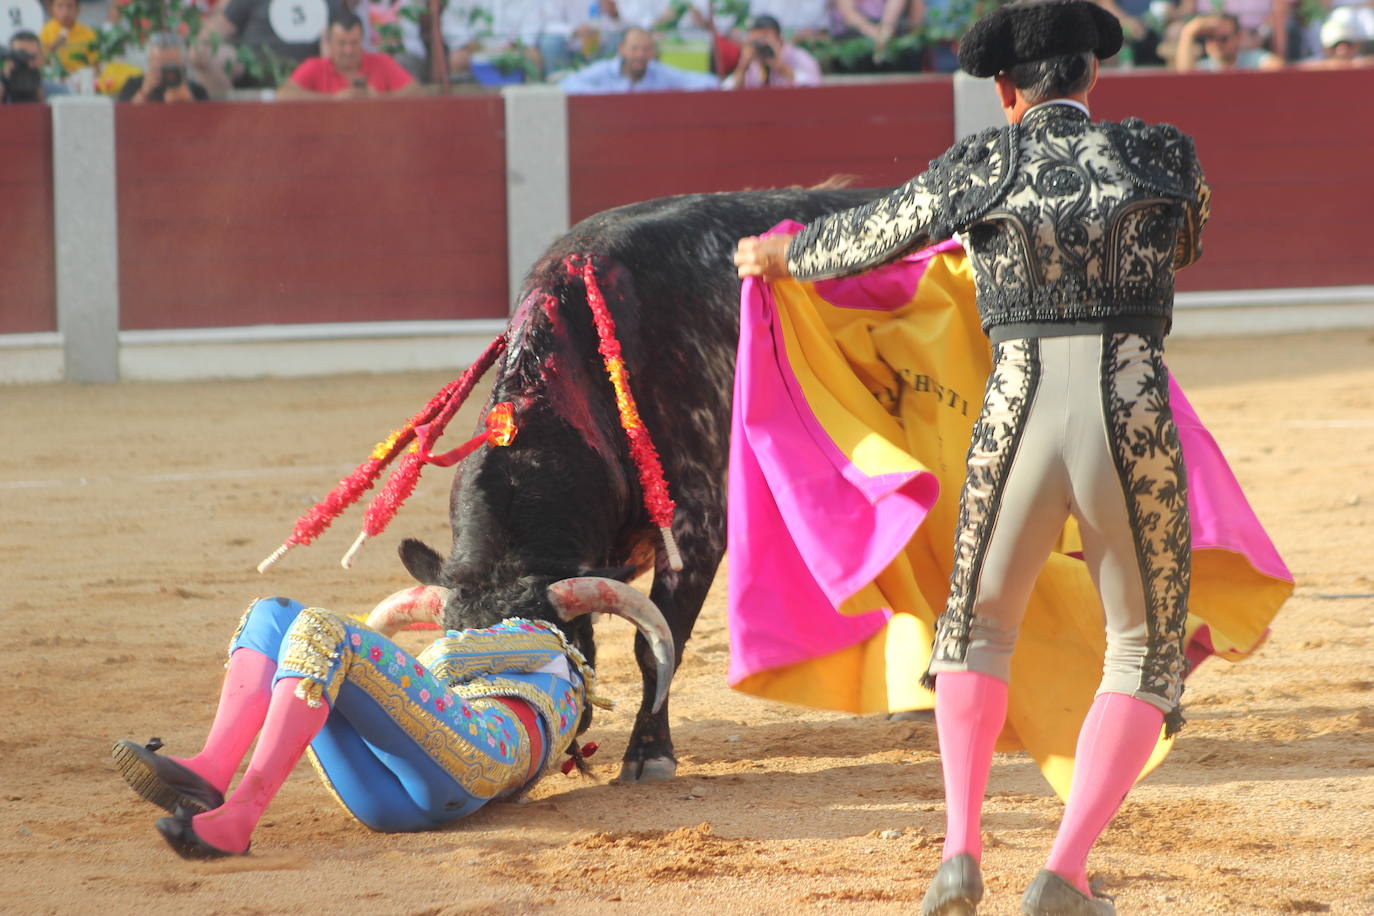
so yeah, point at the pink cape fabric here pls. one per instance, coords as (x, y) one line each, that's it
(807, 528)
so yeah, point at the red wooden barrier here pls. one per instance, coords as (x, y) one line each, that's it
(239, 214)
(1290, 157)
(235, 214)
(634, 147)
(28, 300)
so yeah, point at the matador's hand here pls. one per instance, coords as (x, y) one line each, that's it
(764, 258)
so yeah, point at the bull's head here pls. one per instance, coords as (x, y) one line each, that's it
(461, 603)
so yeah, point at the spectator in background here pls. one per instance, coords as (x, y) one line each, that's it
(569, 31)
(478, 29)
(634, 69)
(644, 13)
(880, 21)
(876, 19)
(345, 70)
(1142, 26)
(1263, 23)
(720, 26)
(405, 43)
(66, 38)
(766, 60)
(248, 24)
(1220, 37)
(935, 15)
(801, 20)
(21, 77)
(1344, 40)
(165, 79)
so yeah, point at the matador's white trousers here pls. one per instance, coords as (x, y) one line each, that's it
(1076, 425)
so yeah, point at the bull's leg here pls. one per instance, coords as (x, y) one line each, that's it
(649, 755)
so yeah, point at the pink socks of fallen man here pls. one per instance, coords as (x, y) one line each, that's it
(243, 702)
(290, 725)
(1117, 738)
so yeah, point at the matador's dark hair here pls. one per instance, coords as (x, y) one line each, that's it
(1055, 77)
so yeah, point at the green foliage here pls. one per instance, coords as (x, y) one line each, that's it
(516, 59)
(263, 65)
(139, 19)
(737, 10)
(136, 21)
(673, 18)
(1310, 11)
(949, 24)
(389, 40)
(939, 26)
(480, 20)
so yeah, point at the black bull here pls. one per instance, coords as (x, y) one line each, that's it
(564, 500)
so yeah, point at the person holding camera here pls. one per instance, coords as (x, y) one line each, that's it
(766, 60)
(21, 71)
(165, 78)
(345, 70)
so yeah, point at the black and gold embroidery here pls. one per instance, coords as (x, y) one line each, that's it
(1149, 459)
(1064, 219)
(997, 433)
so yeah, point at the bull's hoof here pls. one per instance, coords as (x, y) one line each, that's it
(655, 769)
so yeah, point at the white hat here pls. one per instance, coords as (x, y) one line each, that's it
(1343, 25)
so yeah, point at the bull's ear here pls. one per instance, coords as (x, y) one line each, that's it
(421, 561)
(619, 573)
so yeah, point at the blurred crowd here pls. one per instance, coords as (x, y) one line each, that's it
(190, 50)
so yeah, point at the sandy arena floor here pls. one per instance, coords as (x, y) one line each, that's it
(131, 519)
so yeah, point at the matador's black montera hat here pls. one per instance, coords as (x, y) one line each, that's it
(1022, 32)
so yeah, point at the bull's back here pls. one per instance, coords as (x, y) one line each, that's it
(679, 252)
(668, 276)
(690, 238)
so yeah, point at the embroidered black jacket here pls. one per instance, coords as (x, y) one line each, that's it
(1064, 219)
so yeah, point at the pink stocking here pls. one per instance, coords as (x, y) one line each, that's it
(1114, 745)
(242, 706)
(290, 726)
(970, 708)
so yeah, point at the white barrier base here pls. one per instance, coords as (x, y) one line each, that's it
(27, 359)
(267, 351)
(1240, 313)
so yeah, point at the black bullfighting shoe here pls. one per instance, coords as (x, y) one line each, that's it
(1051, 895)
(956, 888)
(181, 836)
(163, 781)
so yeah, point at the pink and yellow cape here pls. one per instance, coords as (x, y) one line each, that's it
(844, 496)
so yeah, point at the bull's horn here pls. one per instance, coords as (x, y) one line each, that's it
(588, 594)
(419, 605)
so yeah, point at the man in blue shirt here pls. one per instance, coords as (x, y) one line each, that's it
(634, 69)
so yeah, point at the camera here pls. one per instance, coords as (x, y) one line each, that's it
(763, 50)
(173, 75)
(20, 80)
